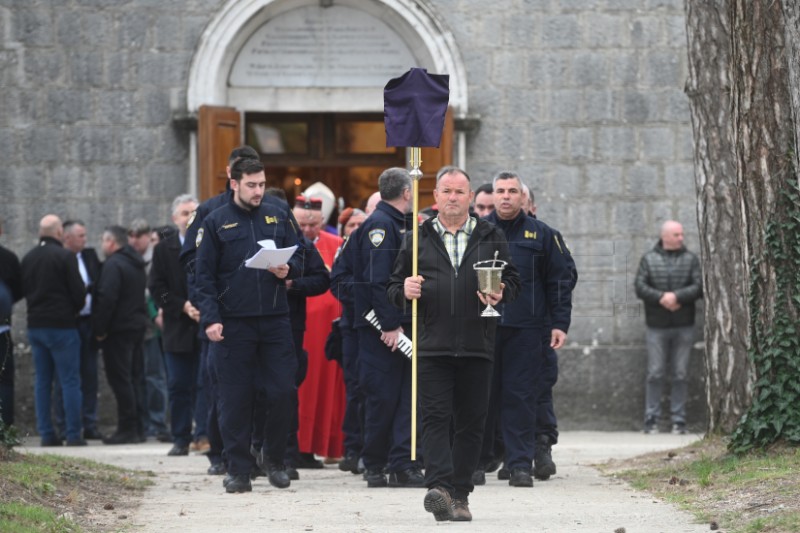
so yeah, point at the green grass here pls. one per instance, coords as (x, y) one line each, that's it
(23, 518)
(754, 493)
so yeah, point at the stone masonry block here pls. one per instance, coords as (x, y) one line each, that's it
(549, 69)
(566, 181)
(671, 5)
(662, 68)
(19, 108)
(581, 144)
(92, 144)
(684, 143)
(601, 106)
(646, 32)
(660, 212)
(616, 144)
(561, 31)
(547, 142)
(155, 106)
(86, 69)
(45, 141)
(485, 101)
(9, 69)
(657, 143)
(68, 28)
(123, 69)
(73, 182)
(167, 32)
(640, 107)
(99, 30)
(629, 217)
(624, 68)
(167, 180)
(526, 30)
(606, 30)
(8, 146)
(478, 65)
(508, 68)
(526, 103)
(137, 145)
(590, 69)
(565, 106)
(512, 143)
(676, 31)
(642, 181)
(173, 145)
(33, 27)
(164, 69)
(131, 29)
(603, 180)
(588, 217)
(675, 106)
(192, 30)
(615, 5)
(116, 108)
(679, 180)
(43, 66)
(67, 106)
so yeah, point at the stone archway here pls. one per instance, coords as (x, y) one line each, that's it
(416, 23)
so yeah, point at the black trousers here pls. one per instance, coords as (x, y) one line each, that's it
(457, 389)
(122, 356)
(7, 377)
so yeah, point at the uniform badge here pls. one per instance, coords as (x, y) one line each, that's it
(271, 220)
(191, 218)
(530, 234)
(376, 237)
(199, 238)
(230, 226)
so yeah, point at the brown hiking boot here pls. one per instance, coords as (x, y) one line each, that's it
(461, 511)
(439, 502)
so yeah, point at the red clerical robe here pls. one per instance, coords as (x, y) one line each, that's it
(322, 394)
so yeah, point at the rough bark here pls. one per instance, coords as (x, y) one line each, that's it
(791, 13)
(719, 213)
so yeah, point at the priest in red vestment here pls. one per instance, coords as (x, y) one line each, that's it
(322, 394)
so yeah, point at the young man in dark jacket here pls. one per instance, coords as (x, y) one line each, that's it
(456, 344)
(119, 317)
(669, 281)
(55, 293)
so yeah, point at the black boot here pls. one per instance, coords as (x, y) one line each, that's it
(543, 465)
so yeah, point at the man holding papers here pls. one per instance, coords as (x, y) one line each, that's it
(244, 312)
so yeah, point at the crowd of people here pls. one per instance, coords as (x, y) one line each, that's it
(266, 369)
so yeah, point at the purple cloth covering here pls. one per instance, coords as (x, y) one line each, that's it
(414, 106)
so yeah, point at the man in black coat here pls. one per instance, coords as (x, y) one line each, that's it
(170, 293)
(10, 293)
(119, 317)
(55, 293)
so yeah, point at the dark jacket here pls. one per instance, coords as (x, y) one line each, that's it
(376, 243)
(167, 283)
(544, 270)
(342, 282)
(93, 267)
(663, 271)
(314, 281)
(11, 280)
(52, 285)
(225, 287)
(449, 309)
(119, 304)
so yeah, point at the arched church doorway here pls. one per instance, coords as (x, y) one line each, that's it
(301, 81)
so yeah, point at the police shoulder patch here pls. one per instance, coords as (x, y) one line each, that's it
(199, 238)
(270, 220)
(191, 218)
(376, 237)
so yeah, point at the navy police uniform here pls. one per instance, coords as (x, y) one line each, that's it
(537, 252)
(256, 354)
(384, 376)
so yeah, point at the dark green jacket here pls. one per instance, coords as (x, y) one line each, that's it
(663, 271)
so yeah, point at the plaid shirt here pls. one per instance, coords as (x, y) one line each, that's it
(455, 244)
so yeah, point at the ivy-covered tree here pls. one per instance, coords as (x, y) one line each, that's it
(745, 107)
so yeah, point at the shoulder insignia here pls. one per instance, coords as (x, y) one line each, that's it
(376, 237)
(271, 220)
(199, 238)
(555, 238)
(191, 218)
(230, 226)
(530, 234)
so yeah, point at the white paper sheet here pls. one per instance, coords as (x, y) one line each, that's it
(269, 256)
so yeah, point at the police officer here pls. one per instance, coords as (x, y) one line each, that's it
(244, 313)
(188, 253)
(384, 371)
(539, 255)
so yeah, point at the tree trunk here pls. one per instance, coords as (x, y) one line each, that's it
(764, 142)
(719, 214)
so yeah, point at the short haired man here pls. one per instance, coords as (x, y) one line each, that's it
(119, 318)
(55, 293)
(384, 372)
(455, 354)
(89, 266)
(167, 283)
(669, 281)
(10, 293)
(244, 312)
(484, 200)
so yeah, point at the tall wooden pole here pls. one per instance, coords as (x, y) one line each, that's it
(416, 174)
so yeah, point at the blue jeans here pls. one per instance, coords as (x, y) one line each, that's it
(89, 383)
(156, 384)
(674, 344)
(57, 351)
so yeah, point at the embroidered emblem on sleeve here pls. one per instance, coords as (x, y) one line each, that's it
(199, 238)
(191, 218)
(376, 237)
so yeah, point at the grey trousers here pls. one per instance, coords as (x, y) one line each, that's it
(665, 345)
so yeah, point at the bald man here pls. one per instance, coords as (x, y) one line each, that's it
(372, 202)
(669, 282)
(55, 294)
